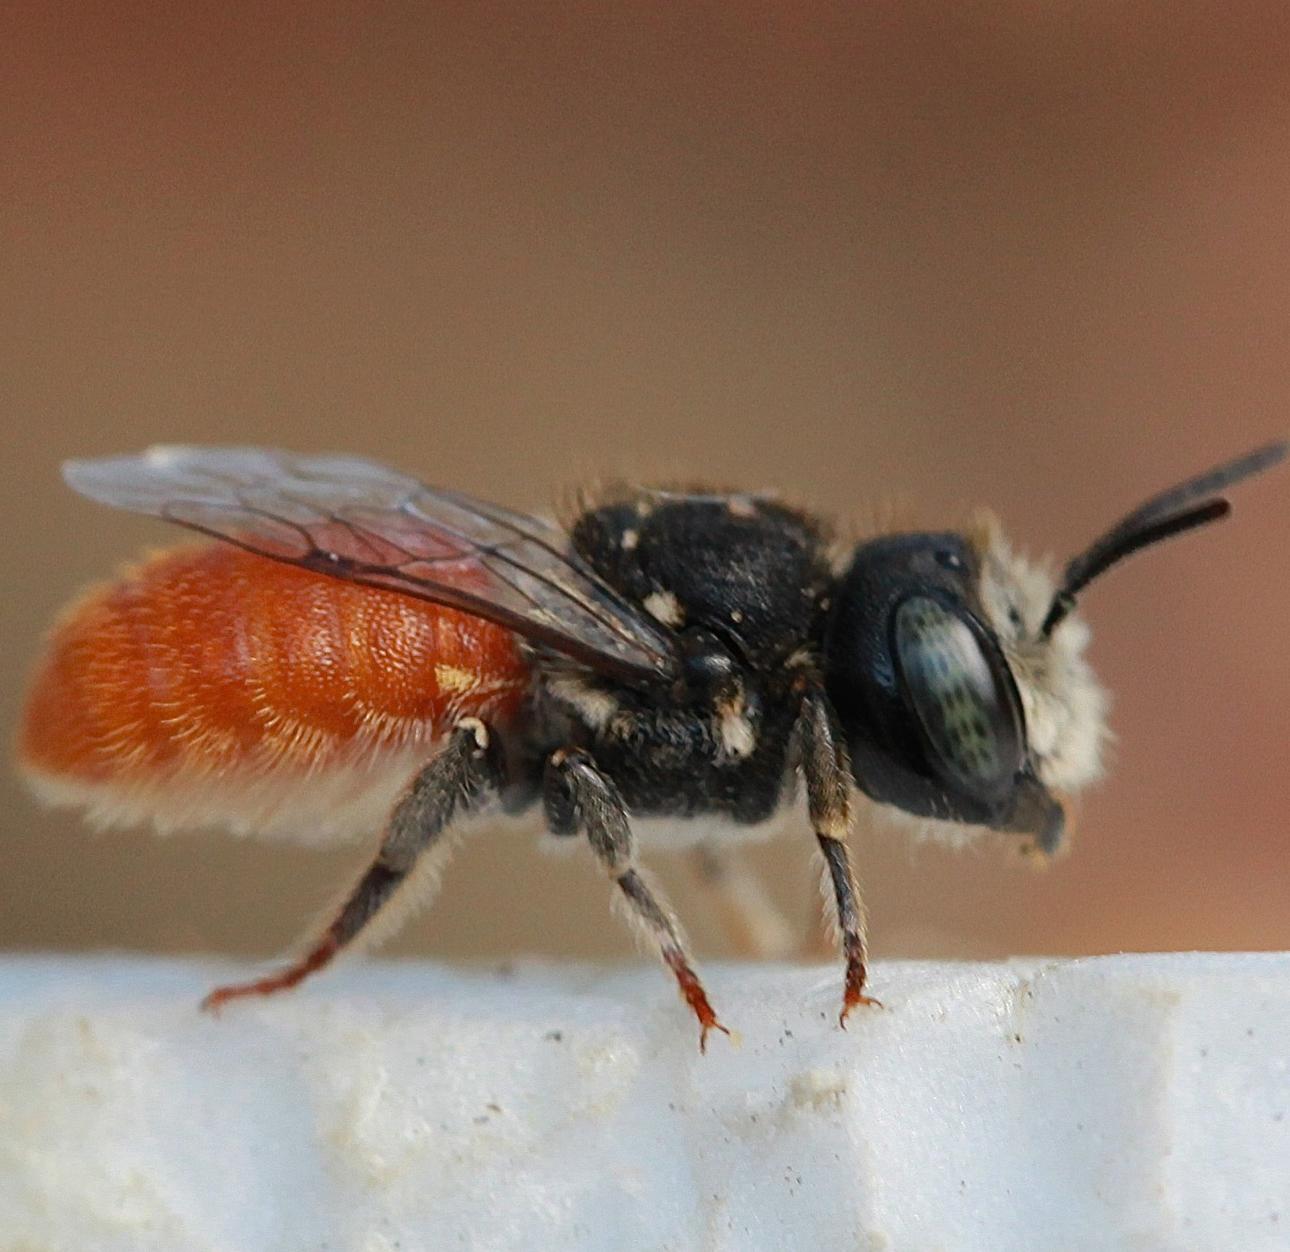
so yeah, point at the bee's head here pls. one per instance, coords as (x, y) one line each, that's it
(957, 668)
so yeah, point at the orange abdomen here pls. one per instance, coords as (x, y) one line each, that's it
(212, 685)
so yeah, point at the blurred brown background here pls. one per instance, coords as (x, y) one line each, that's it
(1030, 255)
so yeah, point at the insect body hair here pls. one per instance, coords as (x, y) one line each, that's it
(1065, 706)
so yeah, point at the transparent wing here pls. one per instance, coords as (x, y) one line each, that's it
(357, 520)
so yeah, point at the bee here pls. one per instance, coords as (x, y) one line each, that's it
(360, 652)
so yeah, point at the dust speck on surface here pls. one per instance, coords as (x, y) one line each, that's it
(817, 1089)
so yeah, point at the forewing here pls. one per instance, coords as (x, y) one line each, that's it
(358, 520)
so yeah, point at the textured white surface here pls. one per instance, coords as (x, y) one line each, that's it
(1127, 1102)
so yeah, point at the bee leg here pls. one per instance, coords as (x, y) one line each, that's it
(753, 925)
(465, 770)
(579, 797)
(827, 773)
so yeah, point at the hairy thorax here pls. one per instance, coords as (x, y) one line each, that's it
(742, 581)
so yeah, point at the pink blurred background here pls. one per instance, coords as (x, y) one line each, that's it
(1036, 256)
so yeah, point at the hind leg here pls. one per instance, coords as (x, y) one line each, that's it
(464, 773)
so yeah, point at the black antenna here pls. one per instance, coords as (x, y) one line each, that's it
(1182, 508)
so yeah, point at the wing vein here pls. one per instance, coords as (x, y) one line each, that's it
(354, 519)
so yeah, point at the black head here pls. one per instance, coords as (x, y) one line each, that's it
(928, 691)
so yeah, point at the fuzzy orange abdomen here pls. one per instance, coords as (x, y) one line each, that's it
(212, 685)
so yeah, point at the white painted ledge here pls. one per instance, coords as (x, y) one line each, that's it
(1128, 1102)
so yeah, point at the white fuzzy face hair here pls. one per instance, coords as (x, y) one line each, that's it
(1032, 614)
(1064, 705)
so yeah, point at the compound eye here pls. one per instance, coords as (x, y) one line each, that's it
(968, 713)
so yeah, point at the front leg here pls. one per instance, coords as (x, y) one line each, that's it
(579, 797)
(827, 774)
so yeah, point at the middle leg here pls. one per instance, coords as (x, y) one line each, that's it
(754, 926)
(579, 797)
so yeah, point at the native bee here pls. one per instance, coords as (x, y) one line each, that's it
(364, 653)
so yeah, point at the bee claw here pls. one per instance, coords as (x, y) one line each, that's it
(866, 1001)
(709, 1026)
